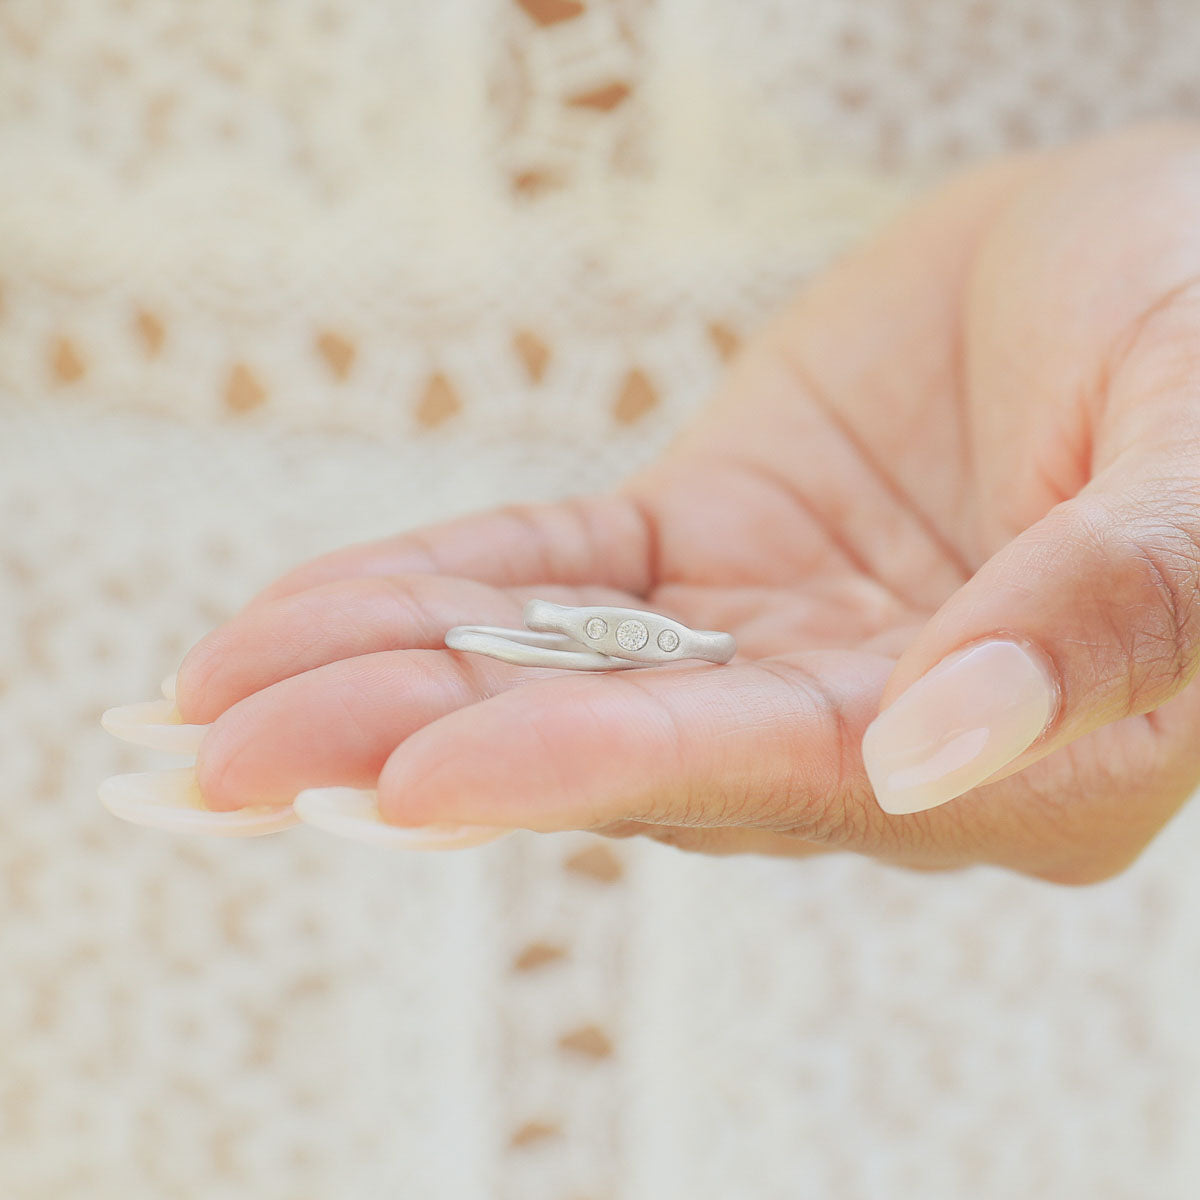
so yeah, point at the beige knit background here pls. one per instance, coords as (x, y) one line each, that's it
(278, 276)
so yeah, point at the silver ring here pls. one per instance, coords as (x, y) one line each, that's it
(592, 638)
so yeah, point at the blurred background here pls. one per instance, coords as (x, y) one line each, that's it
(276, 276)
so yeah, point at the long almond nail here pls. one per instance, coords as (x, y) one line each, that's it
(168, 687)
(171, 800)
(354, 813)
(156, 724)
(960, 723)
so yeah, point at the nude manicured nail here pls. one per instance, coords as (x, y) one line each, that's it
(171, 800)
(960, 723)
(168, 687)
(354, 813)
(156, 724)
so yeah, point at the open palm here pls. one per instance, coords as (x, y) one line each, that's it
(985, 424)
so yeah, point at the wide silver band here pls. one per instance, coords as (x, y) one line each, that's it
(592, 638)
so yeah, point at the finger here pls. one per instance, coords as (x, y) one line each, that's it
(337, 724)
(1090, 615)
(276, 639)
(769, 745)
(602, 539)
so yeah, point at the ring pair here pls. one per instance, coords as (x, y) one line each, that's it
(592, 638)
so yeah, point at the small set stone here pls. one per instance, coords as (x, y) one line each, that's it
(596, 628)
(632, 635)
(668, 640)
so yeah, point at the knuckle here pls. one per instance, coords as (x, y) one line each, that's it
(423, 549)
(1164, 636)
(1147, 590)
(405, 597)
(836, 814)
(533, 524)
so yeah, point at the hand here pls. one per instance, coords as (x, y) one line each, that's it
(982, 430)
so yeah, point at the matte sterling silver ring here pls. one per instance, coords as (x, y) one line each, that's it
(592, 638)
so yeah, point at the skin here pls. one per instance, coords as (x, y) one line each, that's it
(984, 422)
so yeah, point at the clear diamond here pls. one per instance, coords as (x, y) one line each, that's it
(668, 640)
(597, 627)
(632, 635)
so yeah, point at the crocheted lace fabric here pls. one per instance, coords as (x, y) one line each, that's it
(279, 276)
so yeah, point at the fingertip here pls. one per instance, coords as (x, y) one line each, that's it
(440, 775)
(201, 692)
(241, 657)
(189, 685)
(333, 725)
(214, 756)
(244, 655)
(238, 760)
(502, 761)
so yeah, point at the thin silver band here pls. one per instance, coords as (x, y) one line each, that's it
(592, 638)
(527, 649)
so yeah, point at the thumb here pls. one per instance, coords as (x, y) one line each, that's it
(1088, 616)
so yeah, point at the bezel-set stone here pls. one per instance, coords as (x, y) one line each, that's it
(668, 641)
(632, 635)
(596, 628)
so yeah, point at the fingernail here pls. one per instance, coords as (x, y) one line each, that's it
(171, 800)
(156, 724)
(354, 813)
(168, 687)
(960, 723)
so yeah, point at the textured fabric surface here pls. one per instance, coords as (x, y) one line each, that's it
(274, 277)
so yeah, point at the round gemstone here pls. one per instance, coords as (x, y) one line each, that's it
(597, 627)
(668, 640)
(632, 635)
